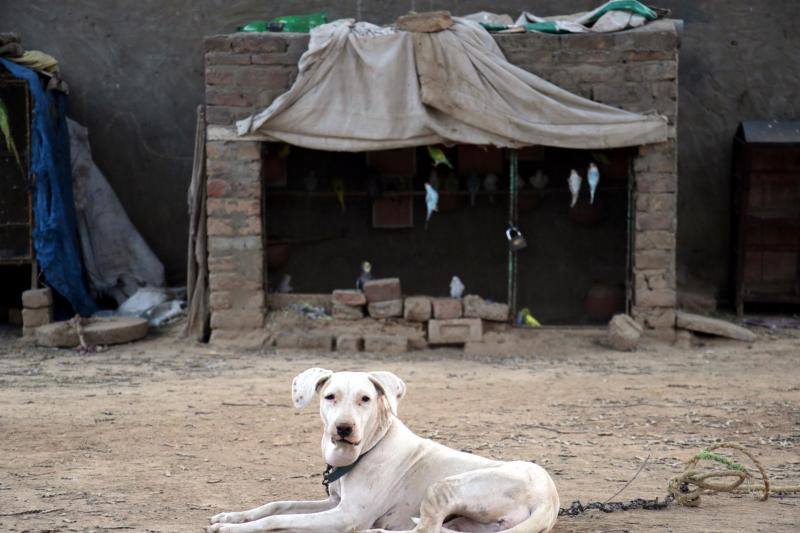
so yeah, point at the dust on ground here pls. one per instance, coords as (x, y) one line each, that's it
(159, 435)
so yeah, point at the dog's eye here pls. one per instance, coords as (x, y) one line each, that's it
(330, 397)
(365, 399)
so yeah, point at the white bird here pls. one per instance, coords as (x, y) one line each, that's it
(593, 177)
(456, 287)
(574, 182)
(431, 201)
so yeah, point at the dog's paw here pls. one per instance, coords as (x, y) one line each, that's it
(228, 518)
(219, 528)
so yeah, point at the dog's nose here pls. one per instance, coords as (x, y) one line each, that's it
(344, 430)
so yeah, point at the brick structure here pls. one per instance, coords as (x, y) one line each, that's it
(634, 70)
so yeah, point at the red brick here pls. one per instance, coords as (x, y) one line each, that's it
(216, 188)
(417, 309)
(271, 77)
(227, 58)
(383, 290)
(229, 206)
(217, 43)
(349, 297)
(229, 281)
(228, 97)
(447, 308)
(258, 43)
(386, 309)
(220, 75)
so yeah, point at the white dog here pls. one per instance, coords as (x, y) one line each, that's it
(383, 476)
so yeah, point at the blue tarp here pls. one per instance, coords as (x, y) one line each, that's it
(55, 236)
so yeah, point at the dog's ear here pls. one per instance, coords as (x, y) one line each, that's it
(306, 384)
(391, 386)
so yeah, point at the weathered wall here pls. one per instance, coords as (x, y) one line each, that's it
(136, 75)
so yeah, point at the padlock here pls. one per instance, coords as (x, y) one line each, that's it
(515, 239)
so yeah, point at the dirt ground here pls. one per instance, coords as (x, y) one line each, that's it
(159, 435)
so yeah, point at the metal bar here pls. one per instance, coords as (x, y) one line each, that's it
(512, 221)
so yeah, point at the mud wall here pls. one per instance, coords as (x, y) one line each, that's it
(136, 74)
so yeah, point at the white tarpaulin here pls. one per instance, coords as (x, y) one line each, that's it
(116, 257)
(362, 87)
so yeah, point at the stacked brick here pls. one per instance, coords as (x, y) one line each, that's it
(37, 310)
(245, 72)
(235, 246)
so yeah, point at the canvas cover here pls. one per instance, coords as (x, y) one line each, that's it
(117, 259)
(363, 87)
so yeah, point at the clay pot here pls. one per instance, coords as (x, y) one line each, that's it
(277, 253)
(603, 301)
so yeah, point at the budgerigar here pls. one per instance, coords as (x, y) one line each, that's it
(431, 201)
(456, 287)
(574, 182)
(338, 188)
(364, 276)
(438, 157)
(593, 177)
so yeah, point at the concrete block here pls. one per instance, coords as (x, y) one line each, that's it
(417, 309)
(97, 331)
(304, 341)
(447, 308)
(349, 343)
(37, 317)
(37, 298)
(385, 343)
(477, 307)
(383, 290)
(389, 309)
(347, 312)
(624, 333)
(455, 331)
(349, 297)
(713, 326)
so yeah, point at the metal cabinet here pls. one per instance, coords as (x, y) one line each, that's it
(766, 174)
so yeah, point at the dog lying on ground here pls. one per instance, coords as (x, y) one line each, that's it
(383, 477)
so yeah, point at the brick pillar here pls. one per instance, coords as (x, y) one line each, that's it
(654, 289)
(235, 240)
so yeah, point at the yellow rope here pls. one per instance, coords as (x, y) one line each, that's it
(687, 487)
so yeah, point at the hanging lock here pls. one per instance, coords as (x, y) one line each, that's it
(515, 239)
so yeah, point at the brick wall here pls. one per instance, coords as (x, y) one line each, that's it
(634, 70)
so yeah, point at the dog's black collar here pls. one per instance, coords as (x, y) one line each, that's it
(332, 473)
